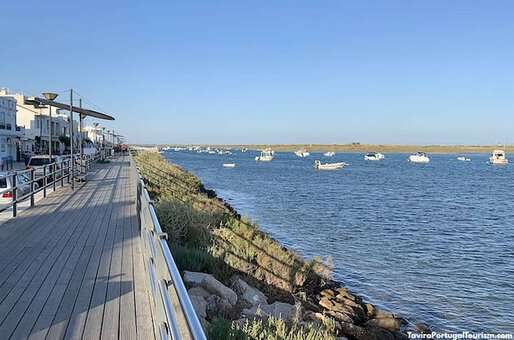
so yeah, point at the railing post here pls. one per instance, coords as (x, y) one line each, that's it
(68, 167)
(45, 180)
(32, 184)
(62, 174)
(54, 172)
(14, 189)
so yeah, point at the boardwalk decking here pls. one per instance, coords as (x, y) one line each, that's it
(71, 267)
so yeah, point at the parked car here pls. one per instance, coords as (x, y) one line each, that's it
(6, 183)
(38, 162)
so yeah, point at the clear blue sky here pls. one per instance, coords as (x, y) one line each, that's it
(286, 71)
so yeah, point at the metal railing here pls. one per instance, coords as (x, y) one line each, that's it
(174, 315)
(23, 185)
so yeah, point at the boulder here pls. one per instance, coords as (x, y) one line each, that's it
(217, 306)
(249, 294)
(391, 324)
(370, 310)
(198, 291)
(361, 333)
(277, 310)
(200, 305)
(423, 328)
(380, 314)
(209, 283)
(328, 293)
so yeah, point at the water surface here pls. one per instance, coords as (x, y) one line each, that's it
(431, 242)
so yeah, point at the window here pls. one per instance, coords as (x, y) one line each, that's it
(2, 120)
(3, 147)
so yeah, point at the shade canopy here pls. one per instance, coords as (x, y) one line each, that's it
(36, 101)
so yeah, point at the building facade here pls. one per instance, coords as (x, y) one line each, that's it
(9, 136)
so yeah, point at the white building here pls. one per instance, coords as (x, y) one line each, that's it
(9, 137)
(36, 124)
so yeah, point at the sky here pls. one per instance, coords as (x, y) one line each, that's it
(281, 71)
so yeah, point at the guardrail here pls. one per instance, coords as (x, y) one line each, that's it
(174, 315)
(24, 184)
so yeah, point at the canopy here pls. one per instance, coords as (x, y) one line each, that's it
(84, 112)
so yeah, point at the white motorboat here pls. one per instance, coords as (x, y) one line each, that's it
(373, 156)
(229, 165)
(419, 157)
(329, 166)
(265, 156)
(329, 154)
(498, 158)
(463, 159)
(244, 149)
(302, 153)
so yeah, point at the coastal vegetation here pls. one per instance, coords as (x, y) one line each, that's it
(242, 282)
(363, 148)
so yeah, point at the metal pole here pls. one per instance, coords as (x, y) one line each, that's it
(50, 134)
(45, 180)
(14, 192)
(80, 136)
(32, 187)
(71, 143)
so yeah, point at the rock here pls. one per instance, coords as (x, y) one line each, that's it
(277, 310)
(370, 310)
(198, 291)
(200, 305)
(249, 294)
(326, 303)
(340, 316)
(380, 314)
(361, 333)
(341, 338)
(209, 282)
(391, 324)
(327, 293)
(216, 306)
(423, 328)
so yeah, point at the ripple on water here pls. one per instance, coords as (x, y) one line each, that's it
(434, 242)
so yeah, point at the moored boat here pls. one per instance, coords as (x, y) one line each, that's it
(302, 153)
(329, 154)
(419, 157)
(463, 159)
(229, 165)
(265, 156)
(498, 157)
(329, 166)
(373, 156)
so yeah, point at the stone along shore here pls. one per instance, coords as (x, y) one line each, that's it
(244, 284)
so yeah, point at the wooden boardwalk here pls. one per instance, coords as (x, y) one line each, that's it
(71, 267)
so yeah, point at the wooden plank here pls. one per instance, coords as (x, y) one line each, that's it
(56, 282)
(93, 323)
(70, 318)
(128, 328)
(18, 300)
(69, 276)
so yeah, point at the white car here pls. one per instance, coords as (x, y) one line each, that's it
(22, 185)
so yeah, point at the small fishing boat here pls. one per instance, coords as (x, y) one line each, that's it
(329, 154)
(265, 156)
(463, 159)
(498, 158)
(373, 156)
(229, 165)
(329, 166)
(419, 157)
(244, 149)
(302, 153)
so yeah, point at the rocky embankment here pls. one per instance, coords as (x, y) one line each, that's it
(239, 275)
(350, 316)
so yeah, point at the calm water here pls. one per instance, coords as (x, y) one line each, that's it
(434, 243)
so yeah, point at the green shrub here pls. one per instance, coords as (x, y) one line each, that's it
(268, 329)
(200, 260)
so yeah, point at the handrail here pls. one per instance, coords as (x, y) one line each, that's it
(40, 178)
(164, 275)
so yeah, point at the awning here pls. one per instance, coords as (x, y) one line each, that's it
(35, 101)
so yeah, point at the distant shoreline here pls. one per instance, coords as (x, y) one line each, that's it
(360, 148)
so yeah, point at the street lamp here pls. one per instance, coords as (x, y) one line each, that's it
(50, 96)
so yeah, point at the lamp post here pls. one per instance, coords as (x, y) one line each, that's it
(50, 96)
